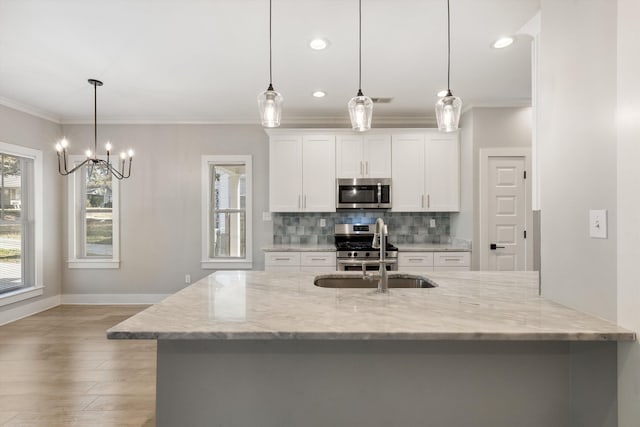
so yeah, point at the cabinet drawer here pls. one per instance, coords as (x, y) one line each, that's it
(452, 259)
(282, 258)
(325, 259)
(415, 259)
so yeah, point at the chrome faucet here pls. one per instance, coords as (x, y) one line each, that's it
(379, 241)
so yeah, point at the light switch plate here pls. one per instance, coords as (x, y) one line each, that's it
(323, 222)
(598, 223)
(432, 223)
(266, 216)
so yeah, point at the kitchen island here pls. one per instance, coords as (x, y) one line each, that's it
(479, 349)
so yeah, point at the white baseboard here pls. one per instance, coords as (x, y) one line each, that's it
(105, 299)
(9, 315)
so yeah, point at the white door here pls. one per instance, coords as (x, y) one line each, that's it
(318, 173)
(507, 208)
(349, 163)
(377, 156)
(285, 173)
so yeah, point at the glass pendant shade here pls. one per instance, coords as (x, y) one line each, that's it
(360, 112)
(448, 113)
(270, 105)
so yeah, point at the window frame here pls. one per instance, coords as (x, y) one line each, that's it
(76, 227)
(206, 262)
(37, 288)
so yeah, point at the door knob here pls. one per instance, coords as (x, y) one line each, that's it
(493, 247)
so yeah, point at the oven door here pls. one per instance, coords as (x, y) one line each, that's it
(363, 193)
(350, 264)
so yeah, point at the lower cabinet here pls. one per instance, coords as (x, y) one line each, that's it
(300, 261)
(434, 261)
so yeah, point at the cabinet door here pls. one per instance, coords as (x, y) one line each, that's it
(349, 163)
(377, 156)
(442, 173)
(318, 173)
(407, 173)
(285, 173)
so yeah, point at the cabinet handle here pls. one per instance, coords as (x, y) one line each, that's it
(318, 259)
(361, 168)
(282, 259)
(422, 201)
(428, 201)
(305, 202)
(416, 259)
(299, 206)
(366, 168)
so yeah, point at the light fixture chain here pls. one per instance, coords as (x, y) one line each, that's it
(95, 119)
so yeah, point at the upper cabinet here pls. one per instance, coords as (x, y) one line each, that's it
(426, 172)
(363, 156)
(302, 173)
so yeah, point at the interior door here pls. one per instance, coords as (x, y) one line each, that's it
(507, 208)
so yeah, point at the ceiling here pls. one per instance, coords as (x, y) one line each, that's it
(196, 61)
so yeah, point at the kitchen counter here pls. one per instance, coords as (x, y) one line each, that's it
(432, 247)
(271, 349)
(299, 248)
(239, 305)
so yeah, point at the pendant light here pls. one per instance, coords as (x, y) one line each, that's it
(448, 107)
(360, 106)
(92, 159)
(270, 101)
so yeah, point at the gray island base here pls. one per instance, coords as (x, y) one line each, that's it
(481, 349)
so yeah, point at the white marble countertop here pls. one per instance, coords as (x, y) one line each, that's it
(432, 247)
(236, 305)
(290, 247)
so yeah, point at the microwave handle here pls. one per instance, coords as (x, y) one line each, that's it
(379, 193)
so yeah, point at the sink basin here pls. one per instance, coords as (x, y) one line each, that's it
(404, 281)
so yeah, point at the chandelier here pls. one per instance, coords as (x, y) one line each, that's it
(120, 170)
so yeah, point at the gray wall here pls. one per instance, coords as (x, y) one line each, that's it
(577, 138)
(628, 207)
(29, 131)
(484, 128)
(160, 236)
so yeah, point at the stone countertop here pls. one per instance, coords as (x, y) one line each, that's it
(299, 248)
(432, 247)
(257, 305)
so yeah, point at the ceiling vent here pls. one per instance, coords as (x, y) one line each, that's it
(382, 100)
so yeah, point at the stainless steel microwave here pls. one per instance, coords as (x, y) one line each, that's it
(363, 193)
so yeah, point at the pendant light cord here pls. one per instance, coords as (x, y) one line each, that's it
(448, 49)
(95, 119)
(270, 54)
(360, 47)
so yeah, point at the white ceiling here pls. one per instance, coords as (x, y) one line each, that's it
(206, 61)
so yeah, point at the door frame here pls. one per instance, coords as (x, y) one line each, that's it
(485, 153)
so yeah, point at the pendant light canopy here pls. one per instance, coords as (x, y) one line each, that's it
(270, 101)
(448, 107)
(92, 159)
(360, 106)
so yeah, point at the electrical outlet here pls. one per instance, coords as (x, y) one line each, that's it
(598, 223)
(266, 216)
(187, 278)
(323, 222)
(432, 223)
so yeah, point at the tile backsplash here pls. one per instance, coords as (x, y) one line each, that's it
(404, 227)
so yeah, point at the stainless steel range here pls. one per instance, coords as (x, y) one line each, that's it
(354, 245)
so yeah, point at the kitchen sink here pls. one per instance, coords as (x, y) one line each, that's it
(395, 281)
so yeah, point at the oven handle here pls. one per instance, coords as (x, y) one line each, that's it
(359, 262)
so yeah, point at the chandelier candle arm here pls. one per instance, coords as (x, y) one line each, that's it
(92, 159)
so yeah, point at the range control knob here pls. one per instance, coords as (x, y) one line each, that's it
(355, 254)
(367, 254)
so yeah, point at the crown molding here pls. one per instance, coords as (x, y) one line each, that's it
(28, 109)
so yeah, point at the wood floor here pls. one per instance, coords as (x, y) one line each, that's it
(58, 369)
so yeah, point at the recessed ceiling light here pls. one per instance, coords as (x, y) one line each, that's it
(442, 93)
(319, 44)
(319, 94)
(503, 42)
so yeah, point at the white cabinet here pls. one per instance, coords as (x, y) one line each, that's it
(302, 173)
(426, 172)
(300, 261)
(434, 261)
(363, 156)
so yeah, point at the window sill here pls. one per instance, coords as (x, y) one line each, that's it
(226, 265)
(20, 295)
(93, 263)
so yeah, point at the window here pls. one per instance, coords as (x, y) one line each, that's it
(226, 211)
(20, 223)
(93, 218)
